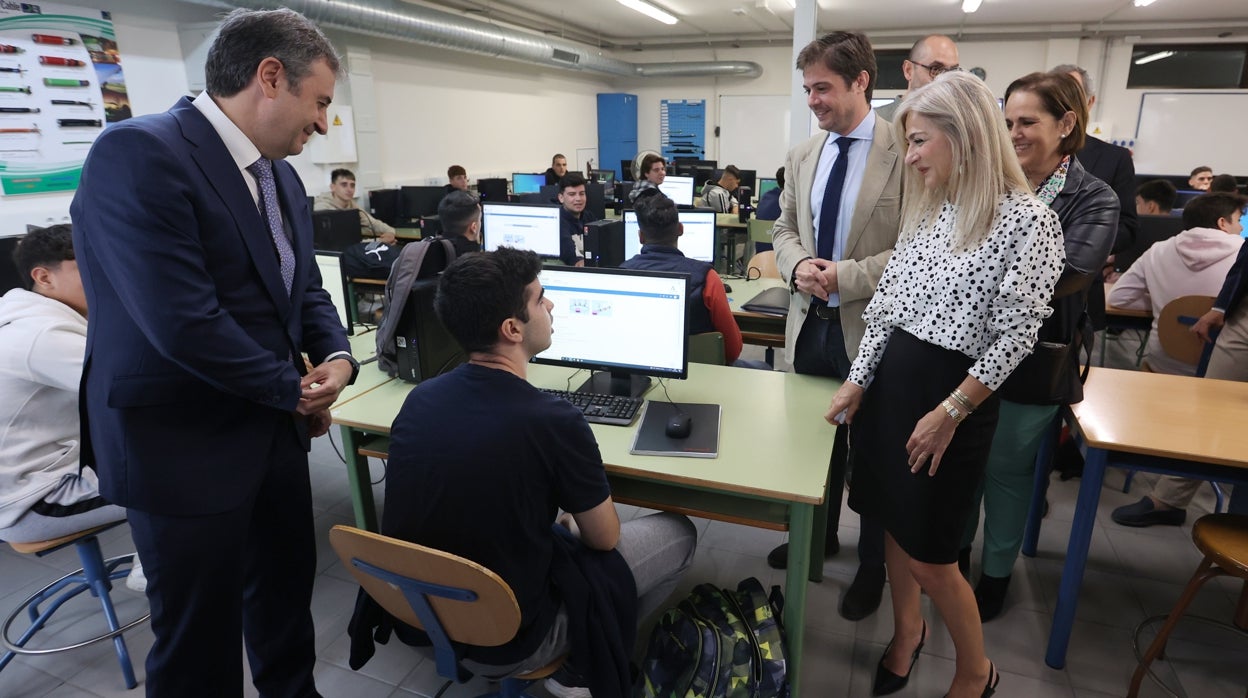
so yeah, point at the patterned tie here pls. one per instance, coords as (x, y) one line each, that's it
(832, 200)
(262, 170)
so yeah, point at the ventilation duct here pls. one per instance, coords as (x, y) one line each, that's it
(423, 25)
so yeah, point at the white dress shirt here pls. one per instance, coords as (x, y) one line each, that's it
(862, 134)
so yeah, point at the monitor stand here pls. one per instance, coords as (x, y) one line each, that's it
(615, 383)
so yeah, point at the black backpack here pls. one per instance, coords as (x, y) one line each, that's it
(417, 262)
(361, 262)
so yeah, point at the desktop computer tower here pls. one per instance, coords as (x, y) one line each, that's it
(493, 189)
(604, 243)
(424, 347)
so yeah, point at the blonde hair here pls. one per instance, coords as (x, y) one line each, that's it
(984, 166)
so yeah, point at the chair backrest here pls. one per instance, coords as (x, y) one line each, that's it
(765, 263)
(707, 348)
(760, 231)
(490, 619)
(1174, 329)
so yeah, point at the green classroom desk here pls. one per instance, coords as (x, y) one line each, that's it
(756, 328)
(771, 472)
(363, 346)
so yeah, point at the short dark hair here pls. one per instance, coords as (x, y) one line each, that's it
(555, 157)
(340, 173)
(456, 211)
(456, 171)
(847, 54)
(648, 161)
(1058, 93)
(1224, 182)
(1198, 170)
(479, 291)
(1159, 191)
(734, 171)
(43, 247)
(1205, 210)
(571, 179)
(658, 219)
(780, 177)
(247, 37)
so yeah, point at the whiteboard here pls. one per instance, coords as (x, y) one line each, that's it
(1178, 131)
(754, 132)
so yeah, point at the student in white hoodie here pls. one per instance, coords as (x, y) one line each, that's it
(43, 336)
(1193, 263)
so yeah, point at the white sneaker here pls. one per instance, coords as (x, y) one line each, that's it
(137, 581)
(560, 691)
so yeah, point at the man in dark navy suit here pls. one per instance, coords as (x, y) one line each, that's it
(194, 241)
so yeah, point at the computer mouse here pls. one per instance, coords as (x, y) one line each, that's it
(727, 288)
(678, 426)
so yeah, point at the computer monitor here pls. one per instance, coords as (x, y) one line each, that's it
(604, 176)
(335, 231)
(766, 184)
(627, 324)
(749, 179)
(9, 277)
(678, 189)
(527, 183)
(697, 242)
(695, 162)
(335, 282)
(384, 205)
(522, 226)
(416, 203)
(626, 170)
(492, 189)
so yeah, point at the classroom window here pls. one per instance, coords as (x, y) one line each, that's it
(1190, 66)
(888, 69)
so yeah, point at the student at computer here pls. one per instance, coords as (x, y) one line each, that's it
(768, 208)
(43, 337)
(460, 215)
(572, 219)
(456, 179)
(1155, 197)
(717, 195)
(494, 496)
(653, 172)
(1224, 183)
(341, 197)
(1200, 178)
(659, 227)
(558, 168)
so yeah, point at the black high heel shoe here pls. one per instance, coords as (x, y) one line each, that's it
(990, 688)
(887, 682)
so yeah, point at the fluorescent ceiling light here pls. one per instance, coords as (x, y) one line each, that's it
(1154, 57)
(649, 10)
(969, 6)
(1144, 3)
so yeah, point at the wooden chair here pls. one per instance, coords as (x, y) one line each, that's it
(96, 576)
(1223, 539)
(708, 348)
(763, 265)
(454, 600)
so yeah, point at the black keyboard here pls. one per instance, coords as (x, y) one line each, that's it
(602, 409)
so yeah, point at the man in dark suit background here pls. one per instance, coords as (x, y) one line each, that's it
(1111, 164)
(194, 241)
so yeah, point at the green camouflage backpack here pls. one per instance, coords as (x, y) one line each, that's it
(718, 644)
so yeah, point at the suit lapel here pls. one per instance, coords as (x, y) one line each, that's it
(213, 159)
(805, 211)
(880, 161)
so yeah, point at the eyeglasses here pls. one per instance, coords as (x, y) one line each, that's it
(936, 69)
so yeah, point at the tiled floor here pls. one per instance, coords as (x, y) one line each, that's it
(1132, 573)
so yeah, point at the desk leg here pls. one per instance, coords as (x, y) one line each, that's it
(801, 528)
(1044, 461)
(818, 539)
(1076, 557)
(361, 483)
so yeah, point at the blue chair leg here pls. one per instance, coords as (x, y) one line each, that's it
(99, 576)
(1218, 498)
(1126, 484)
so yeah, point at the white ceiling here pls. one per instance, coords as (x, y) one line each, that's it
(749, 22)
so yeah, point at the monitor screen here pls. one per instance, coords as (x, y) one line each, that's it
(698, 241)
(630, 323)
(335, 282)
(604, 176)
(525, 183)
(678, 189)
(522, 226)
(765, 185)
(416, 202)
(335, 231)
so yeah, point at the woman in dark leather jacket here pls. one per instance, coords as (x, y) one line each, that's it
(1047, 116)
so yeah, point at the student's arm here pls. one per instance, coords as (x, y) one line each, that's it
(716, 300)
(1131, 289)
(600, 526)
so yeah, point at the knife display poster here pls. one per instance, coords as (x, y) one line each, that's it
(682, 128)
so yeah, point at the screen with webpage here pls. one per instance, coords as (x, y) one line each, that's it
(678, 189)
(698, 242)
(523, 227)
(617, 319)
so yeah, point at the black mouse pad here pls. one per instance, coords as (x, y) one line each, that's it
(703, 439)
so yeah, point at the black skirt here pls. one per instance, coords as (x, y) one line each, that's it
(925, 514)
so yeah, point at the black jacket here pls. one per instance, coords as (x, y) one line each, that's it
(1088, 211)
(1111, 164)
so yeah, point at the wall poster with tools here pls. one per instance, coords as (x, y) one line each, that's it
(682, 128)
(61, 83)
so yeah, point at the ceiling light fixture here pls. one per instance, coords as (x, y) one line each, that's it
(1144, 3)
(1154, 57)
(969, 6)
(648, 10)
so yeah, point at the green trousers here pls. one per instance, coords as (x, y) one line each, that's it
(1009, 481)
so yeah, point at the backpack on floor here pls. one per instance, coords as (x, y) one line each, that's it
(718, 643)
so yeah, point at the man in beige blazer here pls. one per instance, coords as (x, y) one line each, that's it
(830, 290)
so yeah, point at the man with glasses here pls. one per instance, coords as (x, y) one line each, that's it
(929, 57)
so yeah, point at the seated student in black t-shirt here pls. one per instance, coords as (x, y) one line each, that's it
(492, 495)
(459, 212)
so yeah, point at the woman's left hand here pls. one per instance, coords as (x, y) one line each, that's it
(930, 439)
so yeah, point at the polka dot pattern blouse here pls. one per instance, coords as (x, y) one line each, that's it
(987, 303)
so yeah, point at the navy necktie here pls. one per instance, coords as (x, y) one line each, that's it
(832, 200)
(262, 170)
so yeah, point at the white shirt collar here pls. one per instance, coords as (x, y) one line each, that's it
(240, 146)
(864, 131)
